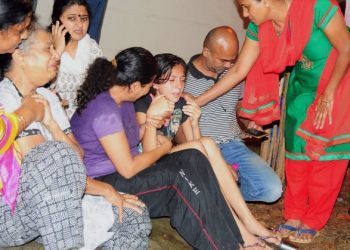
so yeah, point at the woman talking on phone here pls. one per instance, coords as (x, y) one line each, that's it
(70, 23)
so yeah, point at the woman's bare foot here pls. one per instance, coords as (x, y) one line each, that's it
(252, 242)
(255, 243)
(256, 228)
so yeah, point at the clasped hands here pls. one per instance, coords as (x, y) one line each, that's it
(159, 111)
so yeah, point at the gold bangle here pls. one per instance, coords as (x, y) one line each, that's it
(22, 122)
(2, 129)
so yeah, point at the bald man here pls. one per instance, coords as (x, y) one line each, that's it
(218, 120)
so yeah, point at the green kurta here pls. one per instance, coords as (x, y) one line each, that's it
(303, 84)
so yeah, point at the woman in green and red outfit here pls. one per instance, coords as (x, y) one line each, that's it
(311, 36)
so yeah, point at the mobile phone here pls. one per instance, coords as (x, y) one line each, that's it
(67, 36)
(255, 133)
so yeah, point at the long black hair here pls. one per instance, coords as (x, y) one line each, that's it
(60, 6)
(165, 63)
(13, 12)
(131, 65)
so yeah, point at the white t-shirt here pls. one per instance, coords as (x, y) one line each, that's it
(11, 100)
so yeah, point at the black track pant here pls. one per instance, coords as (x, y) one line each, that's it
(183, 186)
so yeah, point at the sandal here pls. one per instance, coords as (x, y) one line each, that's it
(306, 231)
(287, 227)
(281, 246)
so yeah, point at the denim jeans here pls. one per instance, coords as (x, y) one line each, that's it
(258, 181)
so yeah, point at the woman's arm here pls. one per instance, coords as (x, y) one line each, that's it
(187, 130)
(191, 125)
(247, 57)
(153, 119)
(30, 111)
(338, 35)
(149, 137)
(57, 133)
(95, 187)
(117, 148)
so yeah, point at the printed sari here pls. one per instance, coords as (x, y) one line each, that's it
(9, 159)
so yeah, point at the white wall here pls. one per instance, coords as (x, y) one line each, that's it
(175, 26)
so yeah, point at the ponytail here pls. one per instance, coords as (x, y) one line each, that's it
(131, 65)
(99, 77)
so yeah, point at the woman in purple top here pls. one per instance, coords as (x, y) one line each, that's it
(180, 185)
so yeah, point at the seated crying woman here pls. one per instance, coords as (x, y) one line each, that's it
(180, 185)
(52, 180)
(169, 85)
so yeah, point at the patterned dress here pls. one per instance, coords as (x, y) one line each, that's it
(73, 70)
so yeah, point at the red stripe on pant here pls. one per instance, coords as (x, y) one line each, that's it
(312, 189)
(210, 239)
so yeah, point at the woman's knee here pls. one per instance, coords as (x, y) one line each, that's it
(192, 153)
(57, 154)
(210, 145)
(56, 166)
(197, 144)
(207, 141)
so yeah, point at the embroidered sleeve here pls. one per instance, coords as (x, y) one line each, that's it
(252, 31)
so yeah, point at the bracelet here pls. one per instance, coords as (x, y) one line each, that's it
(2, 128)
(22, 122)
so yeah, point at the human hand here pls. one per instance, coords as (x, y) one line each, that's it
(155, 121)
(193, 111)
(253, 125)
(36, 108)
(48, 119)
(188, 97)
(58, 32)
(324, 110)
(124, 200)
(160, 106)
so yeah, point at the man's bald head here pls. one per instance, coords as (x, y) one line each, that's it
(223, 36)
(220, 48)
